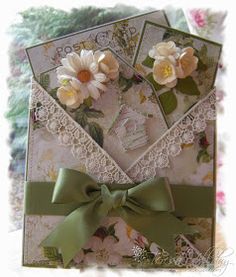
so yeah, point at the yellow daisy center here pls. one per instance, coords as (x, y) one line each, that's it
(167, 71)
(84, 76)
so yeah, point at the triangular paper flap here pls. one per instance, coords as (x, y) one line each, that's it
(170, 145)
(69, 133)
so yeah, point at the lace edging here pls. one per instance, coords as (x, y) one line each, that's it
(71, 134)
(170, 144)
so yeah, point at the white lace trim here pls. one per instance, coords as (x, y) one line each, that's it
(98, 163)
(187, 256)
(170, 144)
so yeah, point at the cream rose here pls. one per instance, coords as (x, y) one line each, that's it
(164, 73)
(164, 50)
(186, 63)
(108, 64)
(70, 96)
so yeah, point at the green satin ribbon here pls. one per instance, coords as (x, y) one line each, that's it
(150, 207)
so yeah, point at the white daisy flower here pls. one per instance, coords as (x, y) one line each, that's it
(82, 72)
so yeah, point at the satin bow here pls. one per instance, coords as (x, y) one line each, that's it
(146, 207)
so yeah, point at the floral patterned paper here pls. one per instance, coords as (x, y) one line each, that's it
(115, 243)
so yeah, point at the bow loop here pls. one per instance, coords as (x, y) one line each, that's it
(74, 186)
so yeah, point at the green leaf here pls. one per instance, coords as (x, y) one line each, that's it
(167, 35)
(81, 118)
(51, 253)
(168, 101)
(187, 86)
(201, 66)
(53, 93)
(96, 132)
(203, 51)
(122, 81)
(92, 113)
(203, 156)
(88, 101)
(44, 80)
(148, 62)
(128, 85)
(125, 83)
(156, 86)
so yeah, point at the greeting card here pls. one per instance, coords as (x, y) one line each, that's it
(121, 149)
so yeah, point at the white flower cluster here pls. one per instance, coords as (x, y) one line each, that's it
(172, 63)
(85, 75)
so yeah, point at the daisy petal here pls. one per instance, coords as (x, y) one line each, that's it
(74, 61)
(75, 83)
(99, 85)
(64, 77)
(84, 90)
(93, 67)
(88, 59)
(66, 64)
(61, 70)
(93, 91)
(85, 52)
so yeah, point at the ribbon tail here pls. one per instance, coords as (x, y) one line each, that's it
(161, 228)
(74, 232)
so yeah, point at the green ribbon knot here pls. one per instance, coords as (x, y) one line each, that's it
(151, 207)
(114, 199)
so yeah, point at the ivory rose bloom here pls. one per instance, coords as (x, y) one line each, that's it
(186, 63)
(108, 64)
(172, 63)
(164, 73)
(70, 97)
(164, 50)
